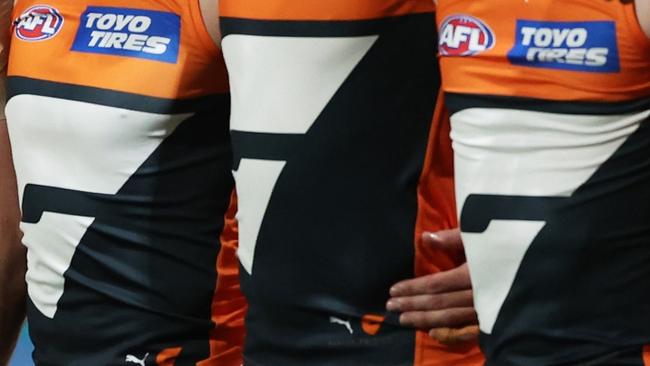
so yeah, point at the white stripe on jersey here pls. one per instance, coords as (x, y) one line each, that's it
(523, 153)
(304, 74)
(77, 146)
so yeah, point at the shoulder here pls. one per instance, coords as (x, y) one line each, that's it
(210, 12)
(643, 13)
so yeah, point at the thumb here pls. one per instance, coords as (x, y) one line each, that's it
(444, 239)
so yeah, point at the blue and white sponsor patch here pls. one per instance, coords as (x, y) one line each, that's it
(576, 46)
(147, 34)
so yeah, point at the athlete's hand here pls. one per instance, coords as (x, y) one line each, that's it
(441, 303)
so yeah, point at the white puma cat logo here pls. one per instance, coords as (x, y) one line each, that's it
(135, 360)
(345, 323)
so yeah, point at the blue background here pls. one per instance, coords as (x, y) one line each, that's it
(601, 34)
(163, 24)
(23, 354)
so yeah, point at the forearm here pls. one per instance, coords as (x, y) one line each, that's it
(13, 289)
(12, 253)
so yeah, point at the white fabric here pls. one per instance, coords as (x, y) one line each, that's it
(98, 148)
(280, 85)
(523, 153)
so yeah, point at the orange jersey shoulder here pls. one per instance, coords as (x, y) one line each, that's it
(169, 52)
(582, 50)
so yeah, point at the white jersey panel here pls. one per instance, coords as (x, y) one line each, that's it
(523, 153)
(305, 73)
(77, 146)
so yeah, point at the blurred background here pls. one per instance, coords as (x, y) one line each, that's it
(23, 354)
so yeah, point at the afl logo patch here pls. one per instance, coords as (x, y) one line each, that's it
(39, 23)
(463, 35)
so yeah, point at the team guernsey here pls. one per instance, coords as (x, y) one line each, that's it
(117, 116)
(550, 106)
(331, 112)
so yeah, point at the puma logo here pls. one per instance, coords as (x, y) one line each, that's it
(137, 361)
(345, 323)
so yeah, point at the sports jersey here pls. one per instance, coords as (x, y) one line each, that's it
(332, 104)
(549, 104)
(117, 116)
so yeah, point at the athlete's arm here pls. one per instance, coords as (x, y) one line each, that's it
(12, 254)
(643, 13)
(441, 303)
(210, 11)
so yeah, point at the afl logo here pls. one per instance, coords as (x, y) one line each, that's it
(39, 23)
(463, 35)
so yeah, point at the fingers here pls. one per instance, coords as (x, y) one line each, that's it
(444, 239)
(453, 335)
(456, 279)
(441, 301)
(449, 318)
(457, 299)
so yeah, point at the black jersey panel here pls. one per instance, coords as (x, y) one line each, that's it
(458, 102)
(143, 276)
(339, 227)
(18, 85)
(582, 293)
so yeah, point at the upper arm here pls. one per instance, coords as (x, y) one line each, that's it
(643, 13)
(210, 12)
(9, 209)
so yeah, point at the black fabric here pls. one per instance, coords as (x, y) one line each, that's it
(339, 227)
(582, 293)
(457, 102)
(143, 276)
(310, 28)
(18, 85)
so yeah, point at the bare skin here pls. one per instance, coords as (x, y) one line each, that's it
(441, 302)
(13, 288)
(643, 14)
(210, 11)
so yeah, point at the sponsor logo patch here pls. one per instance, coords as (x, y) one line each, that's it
(576, 46)
(38, 23)
(463, 35)
(147, 34)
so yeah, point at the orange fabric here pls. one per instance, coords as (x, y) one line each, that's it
(322, 10)
(229, 305)
(168, 356)
(371, 323)
(437, 211)
(646, 355)
(490, 72)
(198, 71)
